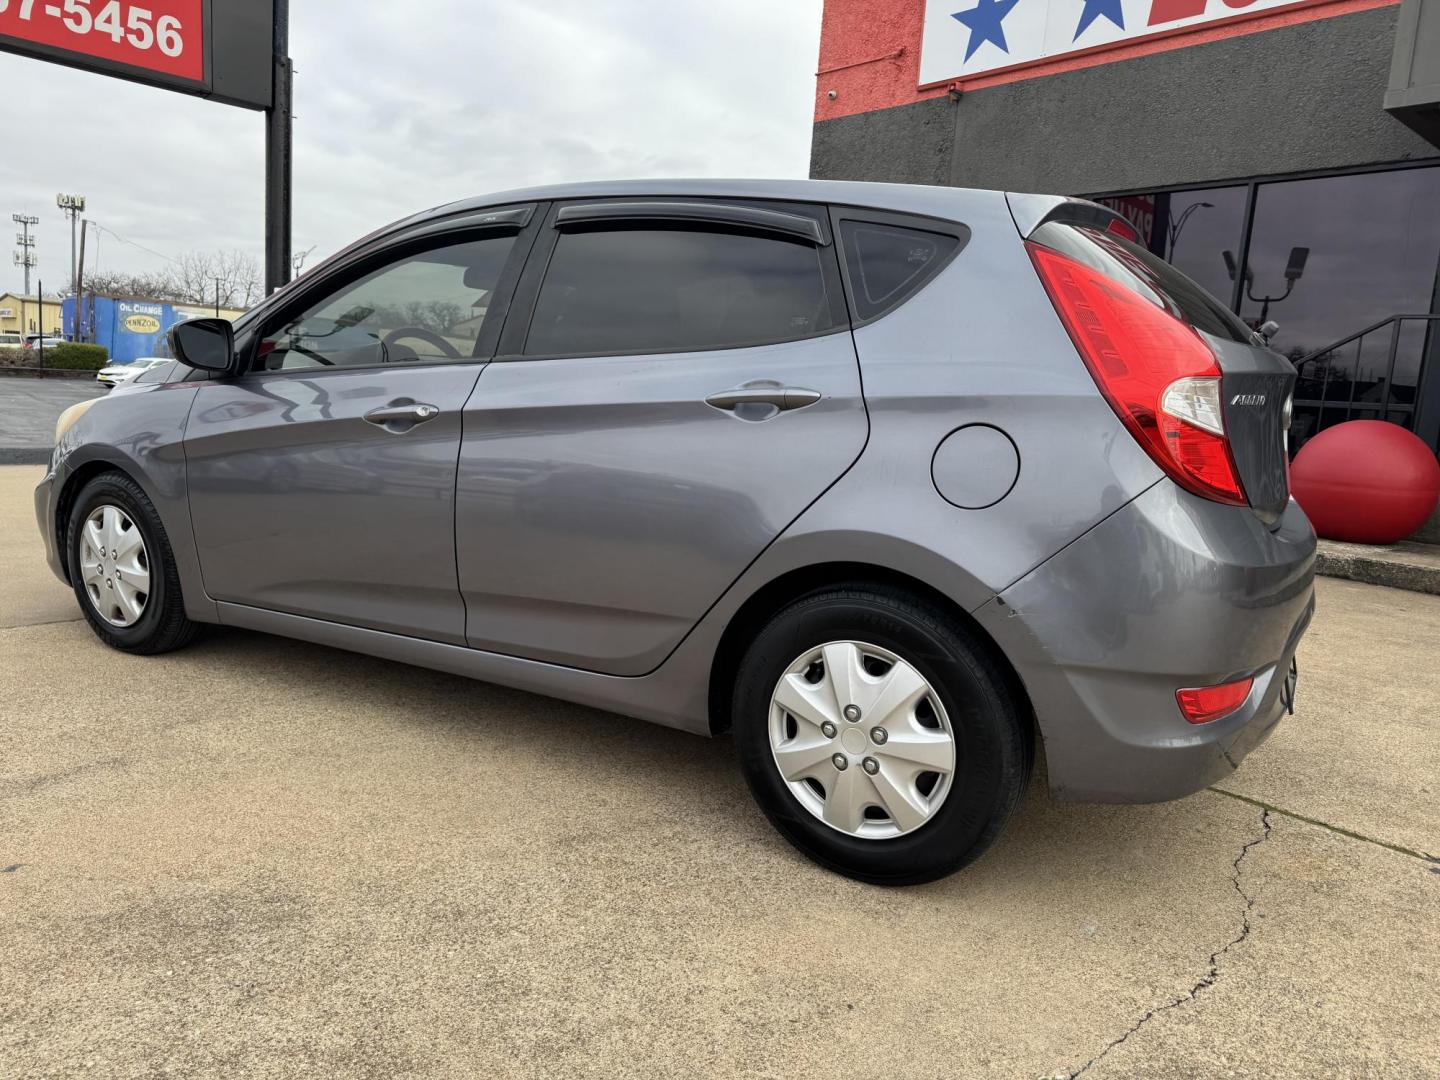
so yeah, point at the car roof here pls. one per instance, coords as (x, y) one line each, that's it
(913, 198)
(933, 201)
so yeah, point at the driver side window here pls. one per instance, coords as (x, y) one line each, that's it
(426, 307)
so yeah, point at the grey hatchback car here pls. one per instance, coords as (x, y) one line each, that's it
(886, 481)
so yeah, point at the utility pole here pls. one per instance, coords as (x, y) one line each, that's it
(73, 206)
(80, 286)
(217, 297)
(40, 296)
(25, 257)
(278, 143)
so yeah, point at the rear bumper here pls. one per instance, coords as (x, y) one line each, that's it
(1171, 591)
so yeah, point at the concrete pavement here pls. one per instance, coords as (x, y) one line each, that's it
(259, 858)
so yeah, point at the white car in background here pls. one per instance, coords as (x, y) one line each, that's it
(113, 375)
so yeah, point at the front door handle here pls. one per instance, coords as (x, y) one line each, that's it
(764, 392)
(401, 415)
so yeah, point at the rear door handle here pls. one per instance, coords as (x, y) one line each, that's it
(402, 415)
(764, 392)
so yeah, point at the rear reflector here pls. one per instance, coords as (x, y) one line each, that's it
(1158, 374)
(1201, 704)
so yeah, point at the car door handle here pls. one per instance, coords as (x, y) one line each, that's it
(764, 392)
(405, 412)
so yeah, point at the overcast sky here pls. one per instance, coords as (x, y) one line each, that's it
(403, 106)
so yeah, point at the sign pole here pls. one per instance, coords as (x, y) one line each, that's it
(80, 287)
(278, 123)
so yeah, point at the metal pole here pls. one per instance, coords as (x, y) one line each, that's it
(80, 287)
(40, 344)
(278, 144)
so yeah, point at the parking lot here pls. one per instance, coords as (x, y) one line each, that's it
(258, 858)
(28, 411)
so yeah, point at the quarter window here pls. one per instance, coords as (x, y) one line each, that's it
(889, 263)
(676, 289)
(424, 308)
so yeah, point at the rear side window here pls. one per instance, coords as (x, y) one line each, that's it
(1149, 275)
(676, 289)
(887, 263)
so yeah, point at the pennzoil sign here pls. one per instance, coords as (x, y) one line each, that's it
(142, 324)
(964, 38)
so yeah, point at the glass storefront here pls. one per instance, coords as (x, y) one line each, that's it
(1326, 258)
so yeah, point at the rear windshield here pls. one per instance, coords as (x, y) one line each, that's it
(1146, 273)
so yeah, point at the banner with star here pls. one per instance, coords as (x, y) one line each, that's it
(964, 38)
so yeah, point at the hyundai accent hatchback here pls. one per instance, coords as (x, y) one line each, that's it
(888, 482)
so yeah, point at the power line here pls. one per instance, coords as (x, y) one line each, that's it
(132, 243)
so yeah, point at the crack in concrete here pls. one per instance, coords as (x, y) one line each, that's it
(1213, 974)
(1400, 849)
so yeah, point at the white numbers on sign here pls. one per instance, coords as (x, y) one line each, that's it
(135, 25)
(141, 36)
(108, 21)
(77, 15)
(168, 31)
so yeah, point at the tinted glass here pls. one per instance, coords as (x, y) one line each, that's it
(425, 307)
(1374, 243)
(645, 290)
(1191, 230)
(888, 263)
(1146, 273)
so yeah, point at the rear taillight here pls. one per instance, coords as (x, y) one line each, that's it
(1157, 373)
(1201, 704)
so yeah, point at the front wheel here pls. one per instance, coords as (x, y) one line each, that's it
(123, 570)
(879, 735)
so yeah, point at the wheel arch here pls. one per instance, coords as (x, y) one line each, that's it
(795, 583)
(80, 475)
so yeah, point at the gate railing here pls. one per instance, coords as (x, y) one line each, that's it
(1354, 393)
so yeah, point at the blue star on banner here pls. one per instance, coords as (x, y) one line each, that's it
(1111, 9)
(984, 22)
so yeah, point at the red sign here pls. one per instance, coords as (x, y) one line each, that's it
(164, 37)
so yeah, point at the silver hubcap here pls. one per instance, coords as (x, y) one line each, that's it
(114, 566)
(861, 739)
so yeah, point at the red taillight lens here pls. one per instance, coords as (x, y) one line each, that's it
(1122, 228)
(1201, 704)
(1158, 375)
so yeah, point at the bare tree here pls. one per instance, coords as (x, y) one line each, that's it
(197, 275)
(192, 279)
(141, 286)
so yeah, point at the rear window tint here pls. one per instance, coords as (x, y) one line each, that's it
(1146, 273)
(887, 264)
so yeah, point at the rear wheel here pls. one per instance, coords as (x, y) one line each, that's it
(879, 735)
(122, 569)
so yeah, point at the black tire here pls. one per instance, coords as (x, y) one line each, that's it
(990, 721)
(162, 626)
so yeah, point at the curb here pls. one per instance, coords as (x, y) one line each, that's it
(1394, 567)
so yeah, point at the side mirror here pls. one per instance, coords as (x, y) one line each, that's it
(207, 344)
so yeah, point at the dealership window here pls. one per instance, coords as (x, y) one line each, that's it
(1327, 257)
(1192, 230)
(1372, 246)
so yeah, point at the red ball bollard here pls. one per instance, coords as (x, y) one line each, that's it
(1366, 481)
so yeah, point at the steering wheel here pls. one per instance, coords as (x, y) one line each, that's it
(421, 334)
